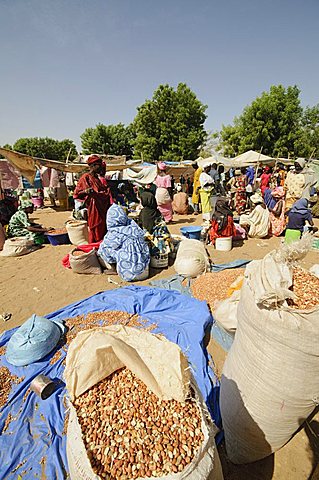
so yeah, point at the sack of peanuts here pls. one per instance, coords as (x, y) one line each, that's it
(269, 385)
(17, 246)
(191, 258)
(135, 411)
(87, 263)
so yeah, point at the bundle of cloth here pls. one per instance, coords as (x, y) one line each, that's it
(124, 245)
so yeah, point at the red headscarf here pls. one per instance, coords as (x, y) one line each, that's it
(93, 159)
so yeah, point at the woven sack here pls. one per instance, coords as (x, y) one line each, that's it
(78, 232)
(17, 246)
(191, 258)
(94, 355)
(86, 263)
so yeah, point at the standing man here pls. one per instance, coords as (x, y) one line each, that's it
(97, 198)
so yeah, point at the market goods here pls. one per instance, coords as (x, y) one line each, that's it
(306, 288)
(191, 258)
(212, 287)
(57, 231)
(129, 433)
(268, 386)
(6, 381)
(78, 253)
(85, 263)
(152, 384)
(96, 319)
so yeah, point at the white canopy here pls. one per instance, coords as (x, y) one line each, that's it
(250, 158)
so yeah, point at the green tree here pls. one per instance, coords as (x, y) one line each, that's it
(171, 125)
(272, 121)
(108, 139)
(46, 148)
(7, 146)
(308, 145)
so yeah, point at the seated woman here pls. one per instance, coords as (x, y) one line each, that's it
(180, 201)
(277, 212)
(149, 215)
(124, 245)
(222, 223)
(256, 222)
(20, 225)
(298, 215)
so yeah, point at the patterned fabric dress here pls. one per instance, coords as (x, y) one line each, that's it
(124, 245)
(18, 227)
(241, 196)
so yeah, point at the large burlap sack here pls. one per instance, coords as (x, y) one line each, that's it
(17, 246)
(94, 355)
(191, 258)
(270, 383)
(86, 263)
(78, 232)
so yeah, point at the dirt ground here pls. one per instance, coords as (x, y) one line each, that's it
(38, 283)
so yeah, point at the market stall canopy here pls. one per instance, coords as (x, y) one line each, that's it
(250, 158)
(28, 165)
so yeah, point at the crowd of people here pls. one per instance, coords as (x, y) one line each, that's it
(237, 203)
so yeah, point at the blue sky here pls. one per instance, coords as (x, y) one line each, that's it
(69, 64)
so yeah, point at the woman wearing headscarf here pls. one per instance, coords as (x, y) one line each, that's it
(96, 196)
(241, 195)
(265, 179)
(298, 216)
(180, 201)
(257, 222)
(298, 183)
(163, 183)
(205, 190)
(222, 223)
(149, 215)
(21, 226)
(124, 245)
(277, 212)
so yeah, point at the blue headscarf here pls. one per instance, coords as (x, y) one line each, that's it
(269, 200)
(300, 206)
(124, 245)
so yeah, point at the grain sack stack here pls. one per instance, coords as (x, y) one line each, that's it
(269, 384)
(135, 410)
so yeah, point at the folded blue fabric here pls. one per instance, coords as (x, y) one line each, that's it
(37, 337)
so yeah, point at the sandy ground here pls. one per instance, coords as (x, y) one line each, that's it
(37, 283)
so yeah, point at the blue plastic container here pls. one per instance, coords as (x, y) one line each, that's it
(191, 232)
(58, 239)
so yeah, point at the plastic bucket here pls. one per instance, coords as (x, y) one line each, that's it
(224, 243)
(58, 239)
(159, 261)
(37, 202)
(191, 232)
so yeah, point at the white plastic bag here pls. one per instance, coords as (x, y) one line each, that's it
(191, 258)
(269, 385)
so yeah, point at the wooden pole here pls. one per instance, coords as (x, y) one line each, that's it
(258, 163)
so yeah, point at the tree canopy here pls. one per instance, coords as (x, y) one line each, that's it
(108, 139)
(170, 126)
(46, 148)
(274, 121)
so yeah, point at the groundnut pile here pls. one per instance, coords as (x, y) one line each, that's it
(6, 381)
(129, 433)
(306, 288)
(78, 253)
(57, 231)
(98, 319)
(212, 287)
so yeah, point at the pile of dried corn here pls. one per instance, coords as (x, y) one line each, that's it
(6, 381)
(306, 288)
(212, 287)
(99, 319)
(129, 433)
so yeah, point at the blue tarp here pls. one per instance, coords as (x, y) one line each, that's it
(34, 443)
